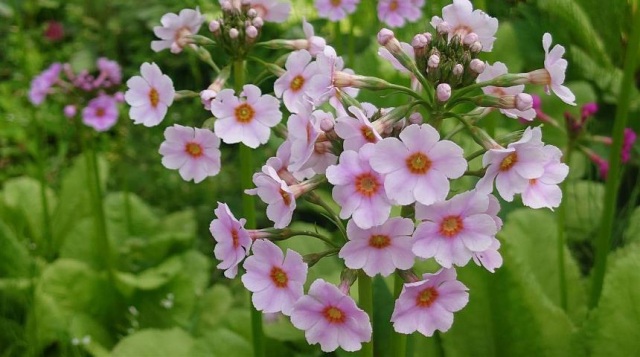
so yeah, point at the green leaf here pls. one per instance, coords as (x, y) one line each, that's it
(154, 343)
(152, 278)
(212, 308)
(632, 232)
(23, 194)
(81, 244)
(222, 342)
(584, 201)
(14, 257)
(128, 215)
(381, 319)
(612, 329)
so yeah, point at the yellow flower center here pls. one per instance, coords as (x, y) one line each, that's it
(334, 315)
(297, 83)
(193, 149)
(279, 277)
(450, 226)
(393, 6)
(379, 241)
(100, 112)
(154, 97)
(336, 2)
(427, 297)
(508, 162)
(418, 163)
(368, 134)
(367, 184)
(244, 113)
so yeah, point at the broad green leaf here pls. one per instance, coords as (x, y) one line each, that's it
(584, 201)
(81, 244)
(281, 329)
(155, 343)
(152, 278)
(14, 257)
(632, 232)
(128, 216)
(24, 195)
(212, 308)
(222, 342)
(612, 329)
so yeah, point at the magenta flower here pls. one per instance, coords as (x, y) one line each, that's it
(627, 145)
(513, 167)
(149, 96)
(428, 305)
(357, 131)
(498, 69)
(294, 83)
(358, 189)
(175, 29)
(232, 240)
(379, 249)
(272, 10)
(42, 83)
(462, 20)
(395, 12)
(194, 152)
(544, 190)
(335, 10)
(331, 318)
(276, 281)
(452, 231)
(417, 167)
(248, 118)
(101, 113)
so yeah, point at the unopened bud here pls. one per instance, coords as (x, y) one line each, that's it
(384, 36)
(524, 101)
(470, 39)
(252, 13)
(326, 124)
(475, 47)
(258, 22)
(234, 33)
(70, 111)
(477, 65)
(252, 32)
(226, 5)
(458, 70)
(443, 91)
(415, 118)
(443, 27)
(419, 41)
(434, 61)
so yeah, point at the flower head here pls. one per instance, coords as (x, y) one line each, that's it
(175, 29)
(276, 281)
(232, 240)
(544, 190)
(331, 318)
(462, 20)
(553, 74)
(395, 12)
(149, 96)
(315, 44)
(627, 144)
(452, 231)
(306, 151)
(358, 189)
(272, 10)
(357, 131)
(248, 118)
(110, 71)
(418, 165)
(41, 84)
(101, 113)
(277, 194)
(428, 305)
(193, 151)
(335, 10)
(293, 84)
(380, 249)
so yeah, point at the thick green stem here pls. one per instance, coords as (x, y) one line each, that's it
(603, 242)
(365, 296)
(398, 340)
(248, 209)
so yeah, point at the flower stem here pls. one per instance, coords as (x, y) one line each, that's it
(365, 297)
(603, 241)
(248, 209)
(398, 340)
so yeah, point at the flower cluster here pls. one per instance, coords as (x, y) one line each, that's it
(96, 95)
(370, 158)
(394, 13)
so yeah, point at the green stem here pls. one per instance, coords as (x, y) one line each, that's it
(249, 210)
(337, 35)
(398, 340)
(365, 297)
(603, 242)
(315, 199)
(314, 235)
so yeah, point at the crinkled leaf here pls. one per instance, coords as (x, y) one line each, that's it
(584, 201)
(14, 257)
(154, 343)
(24, 194)
(212, 308)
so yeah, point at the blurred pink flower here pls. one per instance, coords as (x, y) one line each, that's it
(193, 151)
(315, 44)
(627, 145)
(101, 113)
(42, 83)
(54, 31)
(462, 20)
(175, 29)
(395, 12)
(149, 96)
(335, 10)
(232, 240)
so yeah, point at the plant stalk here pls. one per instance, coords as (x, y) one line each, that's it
(365, 294)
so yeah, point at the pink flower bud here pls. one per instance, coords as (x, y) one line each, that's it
(252, 32)
(470, 39)
(258, 22)
(252, 13)
(524, 101)
(234, 33)
(443, 91)
(214, 26)
(458, 70)
(384, 36)
(419, 41)
(70, 111)
(415, 118)
(226, 5)
(443, 27)
(326, 124)
(477, 65)
(476, 47)
(119, 97)
(434, 61)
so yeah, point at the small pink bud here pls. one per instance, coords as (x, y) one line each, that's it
(476, 47)
(252, 32)
(258, 22)
(384, 36)
(252, 13)
(119, 97)
(458, 70)
(226, 5)
(477, 65)
(443, 27)
(443, 91)
(434, 61)
(214, 26)
(524, 101)
(415, 118)
(326, 124)
(234, 33)
(70, 111)
(470, 39)
(419, 41)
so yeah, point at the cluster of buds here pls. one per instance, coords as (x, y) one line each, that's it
(96, 93)
(238, 29)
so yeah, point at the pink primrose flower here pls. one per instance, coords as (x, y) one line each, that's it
(357, 131)
(315, 44)
(175, 29)
(418, 165)
(544, 191)
(276, 281)
(272, 10)
(358, 188)
(248, 118)
(395, 12)
(101, 113)
(307, 152)
(322, 86)
(42, 83)
(331, 318)
(380, 249)
(149, 96)
(452, 231)
(428, 305)
(276, 193)
(194, 152)
(498, 69)
(406, 48)
(232, 240)
(293, 85)
(463, 20)
(553, 74)
(335, 10)
(281, 162)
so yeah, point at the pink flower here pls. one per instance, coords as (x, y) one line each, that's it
(101, 113)
(277, 194)
(627, 145)
(232, 240)
(428, 305)
(335, 10)
(193, 151)
(331, 318)
(544, 190)
(306, 151)
(513, 167)
(149, 96)
(41, 84)
(553, 74)
(280, 164)
(272, 10)
(315, 44)
(276, 281)
(357, 131)
(358, 189)
(417, 167)
(110, 72)
(498, 69)
(406, 48)
(452, 231)
(322, 86)
(294, 83)
(379, 249)
(463, 20)
(175, 29)
(395, 12)
(490, 258)
(248, 118)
